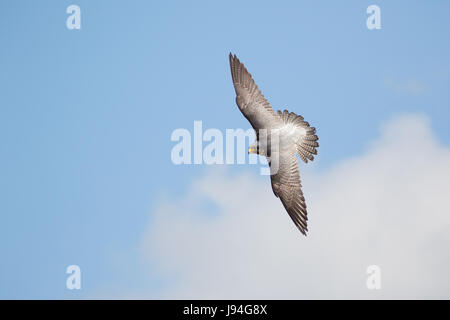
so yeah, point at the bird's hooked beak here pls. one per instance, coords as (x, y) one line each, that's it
(253, 149)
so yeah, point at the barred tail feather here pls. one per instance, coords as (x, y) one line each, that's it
(307, 141)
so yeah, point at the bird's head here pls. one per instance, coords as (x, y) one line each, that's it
(256, 150)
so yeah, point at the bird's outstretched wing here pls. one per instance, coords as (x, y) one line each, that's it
(249, 98)
(287, 186)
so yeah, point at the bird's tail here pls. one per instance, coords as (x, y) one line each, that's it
(307, 141)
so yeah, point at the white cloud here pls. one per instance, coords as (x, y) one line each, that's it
(389, 207)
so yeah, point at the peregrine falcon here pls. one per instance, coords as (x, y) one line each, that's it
(280, 137)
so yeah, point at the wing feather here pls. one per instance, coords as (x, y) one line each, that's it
(287, 186)
(249, 98)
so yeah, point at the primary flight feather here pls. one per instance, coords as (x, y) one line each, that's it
(280, 137)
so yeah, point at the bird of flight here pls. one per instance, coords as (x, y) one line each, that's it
(280, 137)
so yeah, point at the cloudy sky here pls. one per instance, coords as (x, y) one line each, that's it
(86, 176)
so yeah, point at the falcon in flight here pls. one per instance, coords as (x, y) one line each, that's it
(280, 136)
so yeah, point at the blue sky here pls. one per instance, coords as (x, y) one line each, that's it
(86, 115)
